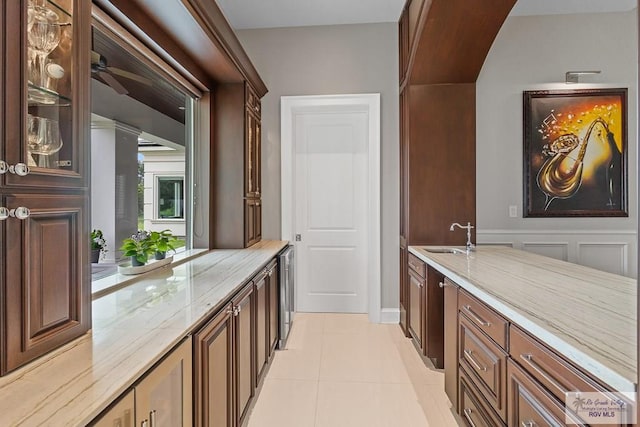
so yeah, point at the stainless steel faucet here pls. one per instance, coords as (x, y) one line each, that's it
(468, 227)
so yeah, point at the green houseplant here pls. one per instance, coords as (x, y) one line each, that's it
(162, 242)
(138, 247)
(98, 245)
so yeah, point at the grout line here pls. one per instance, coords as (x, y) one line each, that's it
(322, 336)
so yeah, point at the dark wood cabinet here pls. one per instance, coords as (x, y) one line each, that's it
(415, 325)
(451, 341)
(214, 368)
(244, 351)
(262, 323)
(473, 409)
(236, 170)
(44, 200)
(274, 304)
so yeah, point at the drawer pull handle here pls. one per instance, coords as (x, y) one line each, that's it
(467, 415)
(468, 354)
(529, 423)
(528, 358)
(476, 317)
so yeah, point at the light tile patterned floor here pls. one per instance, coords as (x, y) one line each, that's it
(340, 370)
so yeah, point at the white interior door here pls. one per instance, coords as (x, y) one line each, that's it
(331, 199)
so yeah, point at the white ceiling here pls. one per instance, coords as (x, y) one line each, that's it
(561, 7)
(244, 14)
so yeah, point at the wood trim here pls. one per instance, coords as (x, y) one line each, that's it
(135, 20)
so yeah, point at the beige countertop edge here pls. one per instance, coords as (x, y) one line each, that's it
(70, 386)
(602, 372)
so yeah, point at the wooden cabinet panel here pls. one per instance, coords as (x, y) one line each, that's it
(213, 376)
(274, 303)
(473, 409)
(417, 265)
(163, 397)
(244, 352)
(416, 308)
(404, 291)
(487, 320)
(485, 362)
(451, 341)
(122, 414)
(261, 330)
(434, 317)
(48, 300)
(530, 404)
(253, 221)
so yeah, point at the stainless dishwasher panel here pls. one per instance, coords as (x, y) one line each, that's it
(286, 313)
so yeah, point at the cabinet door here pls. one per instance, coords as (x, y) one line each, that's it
(120, 415)
(163, 397)
(251, 213)
(252, 154)
(404, 291)
(48, 84)
(257, 221)
(451, 342)
(244, 350)
(262, 333)
(47, 286)
(213, 376)
(257, 155)
(416, 307)
(272, 283)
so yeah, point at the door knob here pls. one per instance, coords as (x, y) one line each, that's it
(20, 212)
(19, 169)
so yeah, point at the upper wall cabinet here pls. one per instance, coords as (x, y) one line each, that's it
(44, 268)
(47, 93)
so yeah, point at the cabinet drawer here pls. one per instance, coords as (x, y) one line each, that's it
(489, 322)
(417, 265)
(529, 403)
(485, 362)
(474, 411)
(554, 373)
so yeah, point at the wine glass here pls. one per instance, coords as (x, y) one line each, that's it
(43, 135)
(44, 36)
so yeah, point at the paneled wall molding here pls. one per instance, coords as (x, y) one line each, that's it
(614, 251)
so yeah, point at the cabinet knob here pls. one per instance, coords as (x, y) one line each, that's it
(4, 213)
(19, 169)
(4, 167)
(144, 423)
(20, 212)
(442, 284)
(529, 423)
(152, 418)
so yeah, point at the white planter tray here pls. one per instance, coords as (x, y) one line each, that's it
(127, 268)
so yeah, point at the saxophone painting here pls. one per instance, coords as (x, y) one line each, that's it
(575, 153)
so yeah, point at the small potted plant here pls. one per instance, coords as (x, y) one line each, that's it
(138, 247)
(98, 245)
(162, 242)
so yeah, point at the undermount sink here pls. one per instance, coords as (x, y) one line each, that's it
(443, 250)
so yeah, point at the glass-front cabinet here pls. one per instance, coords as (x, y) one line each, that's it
(44, 121)
(47, 93)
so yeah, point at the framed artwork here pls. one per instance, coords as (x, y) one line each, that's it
(575, 153)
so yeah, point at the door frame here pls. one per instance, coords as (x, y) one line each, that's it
(370, 103)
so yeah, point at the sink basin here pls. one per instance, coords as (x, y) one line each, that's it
(442, 250)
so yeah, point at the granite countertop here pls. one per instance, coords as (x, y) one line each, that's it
(133, 327)
(587, 315)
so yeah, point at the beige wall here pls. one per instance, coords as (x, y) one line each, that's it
(326, 60)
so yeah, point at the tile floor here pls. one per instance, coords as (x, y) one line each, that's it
(340, 370)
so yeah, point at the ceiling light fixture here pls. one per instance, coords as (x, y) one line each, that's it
(574, 76)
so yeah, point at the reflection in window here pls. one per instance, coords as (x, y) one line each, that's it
(170, 201)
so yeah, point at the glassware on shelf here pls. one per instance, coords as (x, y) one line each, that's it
(43, 34)
(43, 135)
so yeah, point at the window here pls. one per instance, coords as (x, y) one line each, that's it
(170, 197)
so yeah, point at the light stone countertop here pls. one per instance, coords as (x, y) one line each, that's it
(587, 315)
(133, 328)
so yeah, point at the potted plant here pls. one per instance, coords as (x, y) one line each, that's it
(98, 245)
(162, 242)
(138, 247)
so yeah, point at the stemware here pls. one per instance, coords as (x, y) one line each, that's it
(44, 36)
(43, 135)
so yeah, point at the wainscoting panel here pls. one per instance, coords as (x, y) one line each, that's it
(612, 251)
(553, 250)
(611, 257)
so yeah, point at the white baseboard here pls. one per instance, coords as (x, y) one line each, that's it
(390, 315)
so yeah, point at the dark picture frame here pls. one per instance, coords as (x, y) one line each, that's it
(575, 153)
